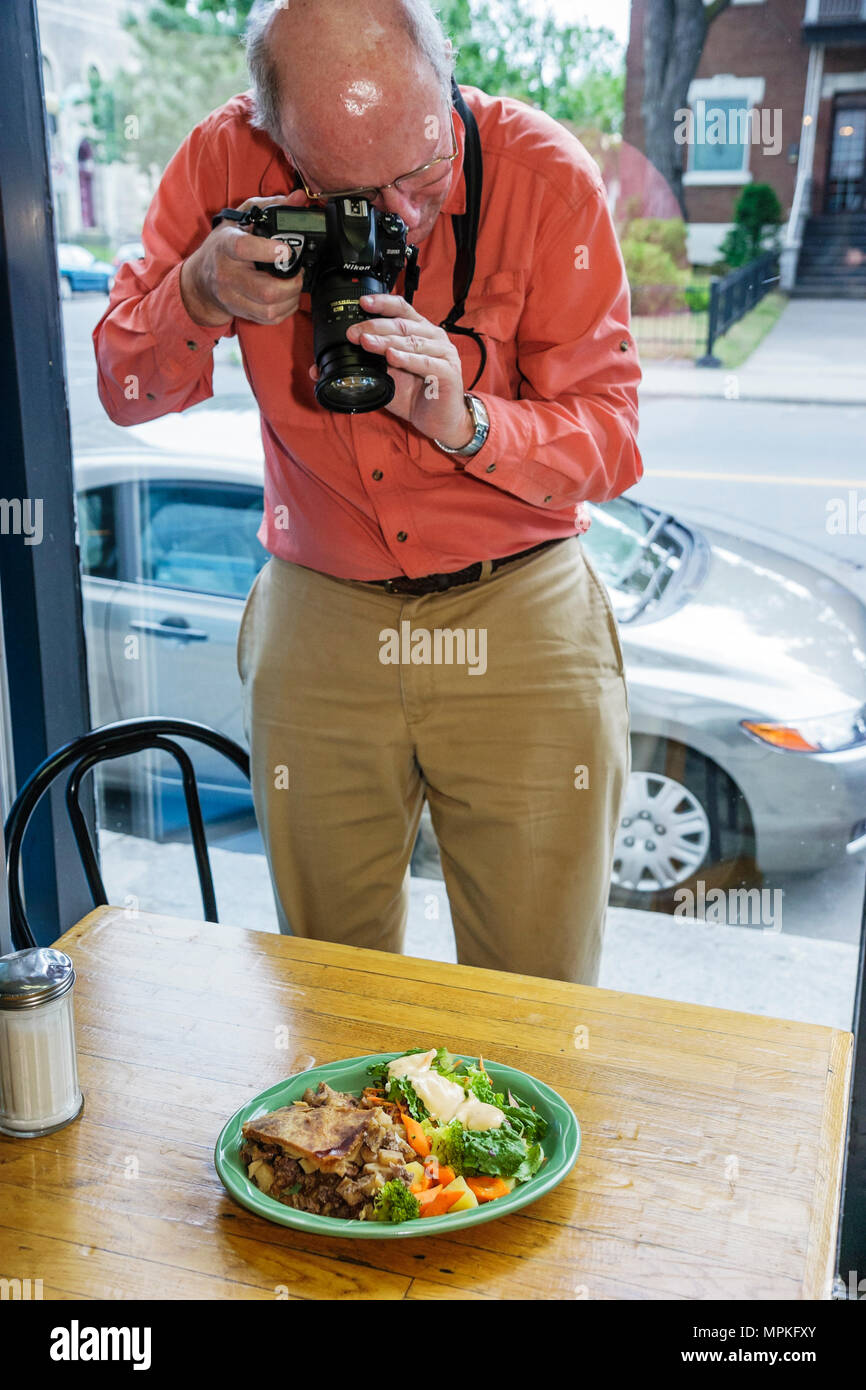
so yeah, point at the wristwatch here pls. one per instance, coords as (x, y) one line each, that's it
(479, 414)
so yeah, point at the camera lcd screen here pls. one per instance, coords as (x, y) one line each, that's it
(298, 220)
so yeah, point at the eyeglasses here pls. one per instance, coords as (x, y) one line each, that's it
(425, 176)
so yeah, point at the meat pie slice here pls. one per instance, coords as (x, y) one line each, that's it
(328, 1136)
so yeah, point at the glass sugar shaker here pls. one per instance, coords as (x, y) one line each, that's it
(39, 1090)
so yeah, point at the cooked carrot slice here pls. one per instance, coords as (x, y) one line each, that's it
(438, 1201)
(439, 1172)
(487, 1189)
(415, 1135)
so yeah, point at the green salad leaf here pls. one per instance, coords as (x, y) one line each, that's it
(501, 1152)
(521, 1116)
(400, 1088)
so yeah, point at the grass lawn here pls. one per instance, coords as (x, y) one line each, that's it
(740, 342)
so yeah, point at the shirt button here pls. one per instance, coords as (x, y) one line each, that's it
(490, 467)
(402, 536)
(548, 498)
(378, 475)
(190, 344)
(623, 347)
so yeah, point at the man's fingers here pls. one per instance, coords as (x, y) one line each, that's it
(257, 312)
(293, 199)
(244, 246)
(404, 328)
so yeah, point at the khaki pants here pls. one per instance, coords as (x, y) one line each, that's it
(521, 750)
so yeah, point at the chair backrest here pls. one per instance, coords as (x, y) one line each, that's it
(101, 745)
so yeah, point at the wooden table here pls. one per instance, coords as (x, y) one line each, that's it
(710, 1165)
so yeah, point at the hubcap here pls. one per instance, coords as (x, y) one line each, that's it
(663, 834)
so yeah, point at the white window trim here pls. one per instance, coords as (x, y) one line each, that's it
(723, 84)
(708, 179)
(838, 83)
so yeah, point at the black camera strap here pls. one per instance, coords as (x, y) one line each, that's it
(466, 225)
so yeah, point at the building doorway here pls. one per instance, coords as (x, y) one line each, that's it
(846, 168)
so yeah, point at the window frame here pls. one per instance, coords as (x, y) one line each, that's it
(722, 87)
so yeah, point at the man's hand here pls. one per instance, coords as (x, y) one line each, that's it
(219, 281)
(424, 364)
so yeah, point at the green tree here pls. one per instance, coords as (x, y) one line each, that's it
(571, 71)
(190, 60)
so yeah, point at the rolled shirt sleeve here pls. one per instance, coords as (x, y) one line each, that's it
(152, 358)
(572, 435)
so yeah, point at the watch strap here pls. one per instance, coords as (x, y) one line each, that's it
(482, 427)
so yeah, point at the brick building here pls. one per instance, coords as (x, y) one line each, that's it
(786, 84)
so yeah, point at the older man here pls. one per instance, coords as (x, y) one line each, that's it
(428, 624)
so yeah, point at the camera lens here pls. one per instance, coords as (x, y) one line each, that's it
(351, 379)
(354, 390)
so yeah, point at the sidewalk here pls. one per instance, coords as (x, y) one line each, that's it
(725, 967)
(814, 354)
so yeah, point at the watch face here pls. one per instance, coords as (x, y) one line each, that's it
(479, 410)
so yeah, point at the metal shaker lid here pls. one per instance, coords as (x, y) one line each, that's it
(33, 976)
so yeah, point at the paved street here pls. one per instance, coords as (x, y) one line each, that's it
(765, 463)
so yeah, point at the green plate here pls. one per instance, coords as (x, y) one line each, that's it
(561, 1145)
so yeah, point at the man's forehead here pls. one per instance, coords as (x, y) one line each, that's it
(359, 133)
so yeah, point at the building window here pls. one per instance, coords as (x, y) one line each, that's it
(725, 122)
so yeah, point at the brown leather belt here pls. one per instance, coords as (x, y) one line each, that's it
(436, 583)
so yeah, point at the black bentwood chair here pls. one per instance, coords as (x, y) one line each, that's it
(101, 745)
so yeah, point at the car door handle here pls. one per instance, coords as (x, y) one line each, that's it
(176, 628)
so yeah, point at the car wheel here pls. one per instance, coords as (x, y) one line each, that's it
(65, 287)
(683, 821)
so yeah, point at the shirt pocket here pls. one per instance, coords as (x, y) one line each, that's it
(495, 304)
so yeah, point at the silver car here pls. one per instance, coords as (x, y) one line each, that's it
(746, 668)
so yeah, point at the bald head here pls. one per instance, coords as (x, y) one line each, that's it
(356, 91)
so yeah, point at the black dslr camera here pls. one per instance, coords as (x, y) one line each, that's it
(345, 249)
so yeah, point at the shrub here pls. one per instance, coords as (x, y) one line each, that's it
(697, 298)
(649, 264)
(667, 232)
(757, 213)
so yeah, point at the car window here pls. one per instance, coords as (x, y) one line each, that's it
(635, 551)
(201, 537)
(97, 535)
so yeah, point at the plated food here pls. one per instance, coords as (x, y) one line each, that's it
(363, 1077)
(427, 1135)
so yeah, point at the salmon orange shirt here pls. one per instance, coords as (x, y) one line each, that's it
(367, 496)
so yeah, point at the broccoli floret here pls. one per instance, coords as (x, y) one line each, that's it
(447, 1144)
(394, 1202)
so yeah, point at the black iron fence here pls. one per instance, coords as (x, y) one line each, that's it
(684, 321)
(669, 321)
(732, 296)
